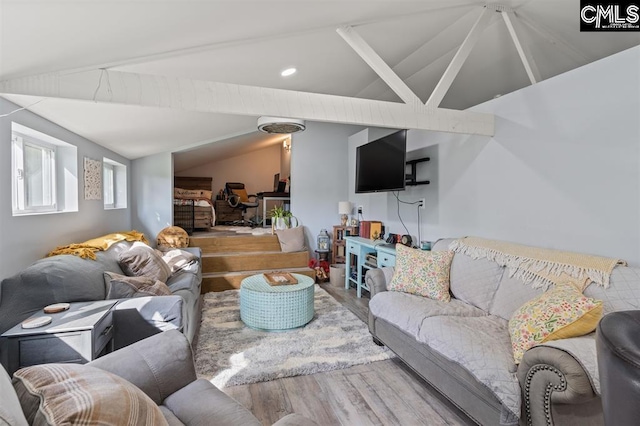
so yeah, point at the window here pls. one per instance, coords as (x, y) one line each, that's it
(114, 184)
(109, 185)
(34, 175)
(42, 171)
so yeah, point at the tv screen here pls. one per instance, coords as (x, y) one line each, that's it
(380, 164)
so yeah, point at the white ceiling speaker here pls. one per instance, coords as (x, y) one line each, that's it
(280, 125)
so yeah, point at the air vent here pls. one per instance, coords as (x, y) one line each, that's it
(280, 125)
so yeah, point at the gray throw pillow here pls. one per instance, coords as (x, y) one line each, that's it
(179, 259)
(122, 286)
(143, 261)
(291, 239)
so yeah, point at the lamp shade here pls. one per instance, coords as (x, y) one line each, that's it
(344, 207)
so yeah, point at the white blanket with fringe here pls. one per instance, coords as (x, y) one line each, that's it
(539, 266)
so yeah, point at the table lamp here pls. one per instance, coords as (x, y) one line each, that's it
(344, 208)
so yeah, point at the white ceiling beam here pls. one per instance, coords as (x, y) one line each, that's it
(415, 62)
(530, 66)
(126, 88)
(376, 63)
(458, 60)
(567, 49)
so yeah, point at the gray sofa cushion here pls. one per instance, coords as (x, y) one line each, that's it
(474, 281)
(170, 417)
(511, 294)
(407, 311)
(482, 346)
(63, 278)
(623, 293)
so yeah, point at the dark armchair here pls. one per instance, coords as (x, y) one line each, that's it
(618, 349)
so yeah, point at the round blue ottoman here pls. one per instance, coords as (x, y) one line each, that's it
(276, 308)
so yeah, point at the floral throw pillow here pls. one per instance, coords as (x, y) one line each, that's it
(559, 313)
(424, 273)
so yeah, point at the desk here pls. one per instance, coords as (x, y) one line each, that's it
(359, 247)
(271, 196)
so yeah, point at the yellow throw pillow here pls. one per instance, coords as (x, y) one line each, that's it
(242, 194)
(424, 273)
(559, 313)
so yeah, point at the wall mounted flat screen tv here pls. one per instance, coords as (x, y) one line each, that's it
(380, 164)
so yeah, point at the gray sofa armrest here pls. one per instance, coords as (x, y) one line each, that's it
(550, 377)
(377, 279)
(137, 318)
(159, 365)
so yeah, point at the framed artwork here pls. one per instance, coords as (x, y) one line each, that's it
(92, 179)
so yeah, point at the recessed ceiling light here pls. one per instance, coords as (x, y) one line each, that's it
(288, 72)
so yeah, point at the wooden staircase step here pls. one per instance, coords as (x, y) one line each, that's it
(253, 261)
(221, 281)
(235, 243)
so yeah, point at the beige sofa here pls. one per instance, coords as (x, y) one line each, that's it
(463, 347)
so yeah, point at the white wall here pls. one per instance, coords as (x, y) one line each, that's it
(24, 239)
(285, 163)
(319, 176)
(255, 169)
(562, 171)
(152, 189)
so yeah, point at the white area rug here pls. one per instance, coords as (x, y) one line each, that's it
(229, 353)
(243, 229)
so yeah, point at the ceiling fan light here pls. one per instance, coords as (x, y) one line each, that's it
(279, 125)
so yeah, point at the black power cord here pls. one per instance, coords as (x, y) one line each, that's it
(397, 195)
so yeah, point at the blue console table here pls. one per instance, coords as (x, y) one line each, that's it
(358, 248)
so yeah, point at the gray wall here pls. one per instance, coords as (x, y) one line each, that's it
(152, 189)
(24, 239)
(562, 171)
(319, 167)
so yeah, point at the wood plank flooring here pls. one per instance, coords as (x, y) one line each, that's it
(380, 393)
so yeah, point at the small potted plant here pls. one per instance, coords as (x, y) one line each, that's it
(281, 218)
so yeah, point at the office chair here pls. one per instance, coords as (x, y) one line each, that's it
(238, 198)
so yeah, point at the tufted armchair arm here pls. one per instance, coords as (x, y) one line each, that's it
(555, 384)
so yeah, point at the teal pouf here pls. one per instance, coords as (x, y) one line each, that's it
(276, 308)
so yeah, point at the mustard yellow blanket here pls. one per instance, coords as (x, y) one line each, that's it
(538, 266)
(89, 248)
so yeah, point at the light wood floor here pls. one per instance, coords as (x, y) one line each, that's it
(380, 393)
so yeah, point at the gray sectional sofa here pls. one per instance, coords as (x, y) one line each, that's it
(463, 347)
(182, 398)
(68, 278)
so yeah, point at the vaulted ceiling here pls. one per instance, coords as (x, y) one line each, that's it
(248, 43)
